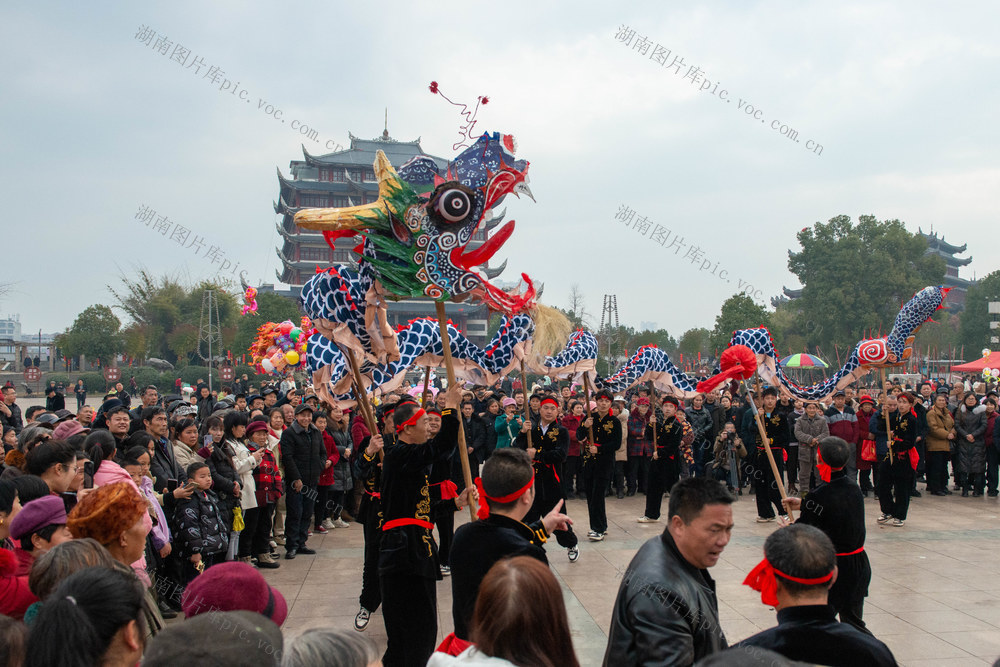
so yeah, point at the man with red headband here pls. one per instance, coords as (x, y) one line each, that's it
(408, 559)
(509, 486)
(367, 468)
(795, 576)
(599, 460)
(838, 509)
(664, 465)
(547, 442)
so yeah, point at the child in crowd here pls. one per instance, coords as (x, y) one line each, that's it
(202, 535)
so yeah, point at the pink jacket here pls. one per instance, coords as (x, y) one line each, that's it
(110, 472)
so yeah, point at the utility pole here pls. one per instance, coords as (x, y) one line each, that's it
(209, 332)
(609, 325)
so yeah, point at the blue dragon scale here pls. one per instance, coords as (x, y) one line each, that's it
(651, 363)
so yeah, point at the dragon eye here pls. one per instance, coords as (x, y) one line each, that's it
(453, 205)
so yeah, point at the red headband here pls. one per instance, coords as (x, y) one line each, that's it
(484, 509)
(825, 470)
(411, 421)
(761, 578)
(549, 399)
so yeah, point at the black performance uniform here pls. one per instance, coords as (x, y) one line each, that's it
(367, 469)
(812, 635)
(665, 468)
(597, 468)
(480, 544)
(408, 559)
(443, 484)
(776, 427)
(550, 452)
(838, 509)
(895, 474)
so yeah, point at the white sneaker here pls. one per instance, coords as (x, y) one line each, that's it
(897, 523)
(361, 620)
(445, 571)
(884, 518)
(645, 519)
(340, 523)
(765, 519)
(573, 553)
(328, 524)
(596, 536)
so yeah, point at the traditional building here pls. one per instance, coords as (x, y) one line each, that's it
(346, 178)
(936, 245)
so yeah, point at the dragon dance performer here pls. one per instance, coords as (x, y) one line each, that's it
(599, 466)
(408, 560)
(896, 470)
(507, 493)
(368, 469)
(549, 445)
(778, 433)
(838, 509)
(443, 489)
(664, 467)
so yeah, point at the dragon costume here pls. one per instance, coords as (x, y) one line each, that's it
(651, 363)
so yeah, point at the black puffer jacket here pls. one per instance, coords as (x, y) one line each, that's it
(666, 612)
(303, 455)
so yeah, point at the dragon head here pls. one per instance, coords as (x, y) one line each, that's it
(416, 235)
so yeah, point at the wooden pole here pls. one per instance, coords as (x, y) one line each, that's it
(652, 414)
(427, 384)
(527, 406)
(590, 429)
(361, 396)
(449, 368)
(885, 411)
(770, 457)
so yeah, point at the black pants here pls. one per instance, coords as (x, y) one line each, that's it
(258, 538)
(894, 481)
(767, 487)
(793, 464)
(973, 480)
(371, 596)
(662, 476)
(937, 471)
(443, 517)
(619, 476)
(250, 520)
(572, 480)
(637, 473)
(322, 508)
(409, 608)
(992, 468)
(853, 613)
(298, 514)
(597, 475)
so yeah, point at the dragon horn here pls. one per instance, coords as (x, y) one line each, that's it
(492, 273)
(354, 218)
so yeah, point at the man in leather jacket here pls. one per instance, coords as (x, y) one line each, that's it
(667, 612)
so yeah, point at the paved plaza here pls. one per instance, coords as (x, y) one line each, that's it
(934, 599)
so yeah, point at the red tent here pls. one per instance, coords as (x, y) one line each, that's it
(992, 361)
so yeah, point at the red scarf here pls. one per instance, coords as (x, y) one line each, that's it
(484, 509)
(824, 469)
(762, 578)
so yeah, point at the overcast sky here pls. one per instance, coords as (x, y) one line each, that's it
(902, 97)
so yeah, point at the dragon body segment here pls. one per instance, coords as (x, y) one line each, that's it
(652, 363)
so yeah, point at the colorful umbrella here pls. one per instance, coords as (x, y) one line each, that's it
(803, 360)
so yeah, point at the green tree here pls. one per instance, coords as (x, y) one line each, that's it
(692, 342)
(855, 277)
(96, 333)
(974, 331)
(738, 312)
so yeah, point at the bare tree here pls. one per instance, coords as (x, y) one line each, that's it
(577, 307)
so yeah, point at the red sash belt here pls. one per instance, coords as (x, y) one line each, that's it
(396, 523)
(852, 553)
(552, 466)
(373, 494)
(449, 489)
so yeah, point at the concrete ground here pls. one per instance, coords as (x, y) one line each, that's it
(934, 597)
